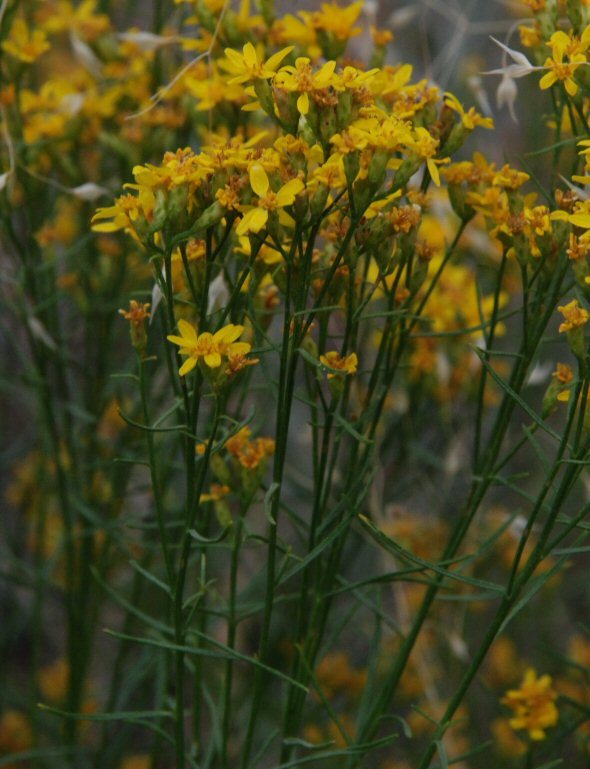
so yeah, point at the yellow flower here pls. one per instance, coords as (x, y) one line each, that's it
(249, 452)
(301, 79)
(333, 360)
(533, 705)
(574, 315)
(210, 347)
(216, 492)
(426, 146)
(560, 70)
(381, 37)
(257, 216)
(563, 374)
(334, 20)
(54, 680)
(247, 66)
(82, 19)
(290, 29)
(15, 733)
(471, 118)
(23, 45)
(137, 314)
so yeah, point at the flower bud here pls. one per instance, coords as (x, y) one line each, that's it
(265, 96)
(378, 168)
(220, 469)
(344, 110)
(352, 164)
(458, 200)
(267, 9)
(137, 314)
(319, 200)
(405, 172)
(455, 140)
(211, 216)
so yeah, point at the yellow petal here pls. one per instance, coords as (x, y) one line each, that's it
(228, 333)
(303, 104)
(570, 86)
(188, 331)
(433, 168)
(239, 348)
(547, 80)
(105, 227)
(250, 55)
(253, 106)
(323, 77)
(559, 215)
(176, 340)
(286, 195)
(258, 220)
(235, 58)
(253, 221)
(259, 180)
(187, 366)
(213, 359)
(277, 58)
(580, 220)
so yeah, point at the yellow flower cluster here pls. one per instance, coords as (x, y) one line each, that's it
(533, 704)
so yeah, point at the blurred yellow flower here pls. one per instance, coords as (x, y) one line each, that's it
(533, 704)
(24, 45)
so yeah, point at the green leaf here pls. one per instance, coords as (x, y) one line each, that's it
(350, 429)
(149, 576)
(212, 540)
(125, 715)
(535, 585)
(481, 354)
(396, 549)
(273, 489)
(226, 652)
(128, 606)
(27, 755)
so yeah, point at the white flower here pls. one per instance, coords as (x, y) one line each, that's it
(89, 191)
(85, 55)
(506, 94)
(580, 193)
(147, 41)
(521, 66)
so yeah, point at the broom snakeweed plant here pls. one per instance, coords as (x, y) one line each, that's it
(328, 305)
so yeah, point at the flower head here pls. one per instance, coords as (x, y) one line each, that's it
(24, 45)
(137, 313)
(301, 79)
(340, 366)
(211, 348)
(533, 704)
(247, 67)
(469, 119)
(575, 316)
(268, 200)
